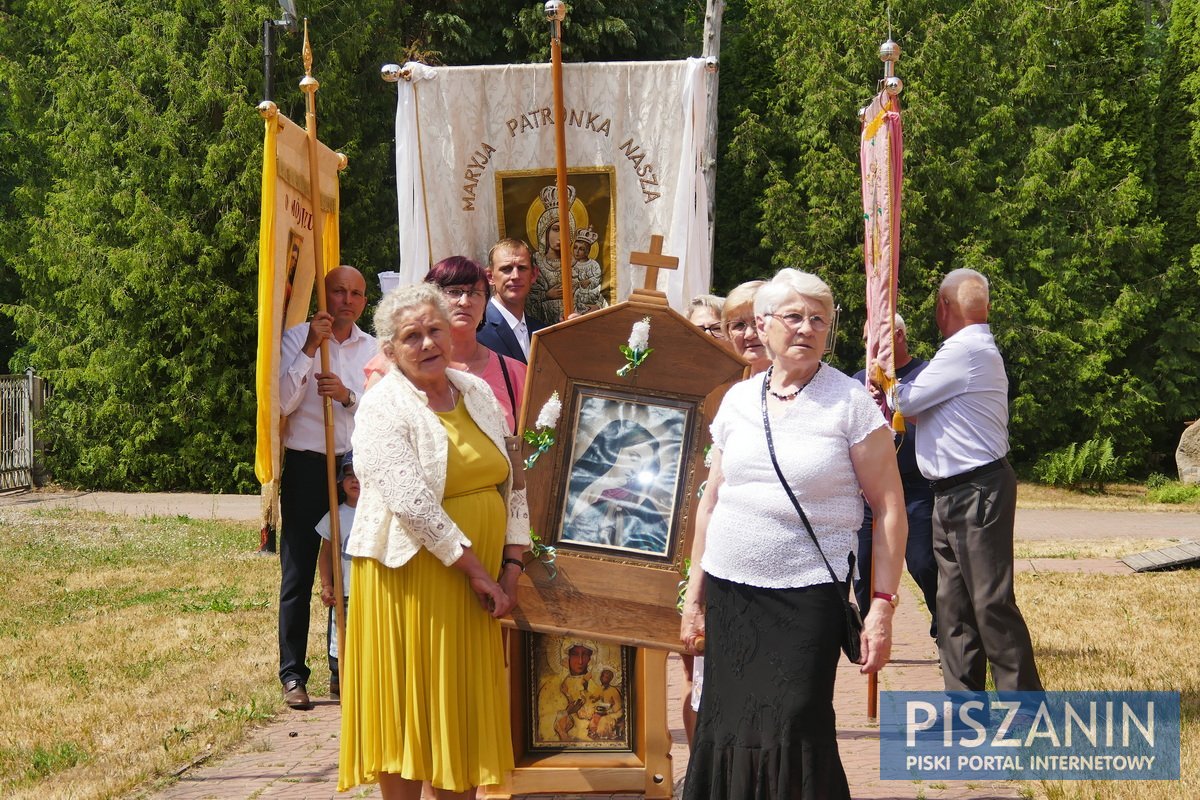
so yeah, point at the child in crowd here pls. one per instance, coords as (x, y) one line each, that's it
(348, 489)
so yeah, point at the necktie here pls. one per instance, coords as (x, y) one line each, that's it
(523, 337)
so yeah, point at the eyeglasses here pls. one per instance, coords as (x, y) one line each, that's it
(456, 293)
(740, 327)
(713, 330)
(796, 321)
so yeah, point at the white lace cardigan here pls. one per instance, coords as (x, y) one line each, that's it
(400, 452)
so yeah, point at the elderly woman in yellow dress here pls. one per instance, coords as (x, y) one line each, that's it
(436, 550)
(759, 590)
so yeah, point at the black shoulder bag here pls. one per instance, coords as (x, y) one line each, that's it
(851, 641)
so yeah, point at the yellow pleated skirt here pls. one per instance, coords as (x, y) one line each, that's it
(424, 693)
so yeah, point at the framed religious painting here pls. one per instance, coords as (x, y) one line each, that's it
(528, 207)
(615, 478)
(580, 696)
(624, 473)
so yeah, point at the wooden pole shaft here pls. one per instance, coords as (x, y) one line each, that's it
(873, 678)
(713, 15)
(565, 244)
(309, 86)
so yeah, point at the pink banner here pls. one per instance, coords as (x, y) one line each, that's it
(881, 159)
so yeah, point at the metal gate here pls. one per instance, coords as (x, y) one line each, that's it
(17, 403)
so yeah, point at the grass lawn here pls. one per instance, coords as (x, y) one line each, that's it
(1115, 497)
(131, 648)
(1113, 632)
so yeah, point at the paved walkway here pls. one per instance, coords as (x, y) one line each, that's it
(295, 756)
(1033, 524)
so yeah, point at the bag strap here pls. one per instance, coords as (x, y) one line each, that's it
(512, 402)
(791, 495)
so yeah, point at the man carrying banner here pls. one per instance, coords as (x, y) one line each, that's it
(304, 494)
(961, 398)
(918, 497)
(506, 327)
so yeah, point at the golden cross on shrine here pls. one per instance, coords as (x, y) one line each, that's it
(653, 261)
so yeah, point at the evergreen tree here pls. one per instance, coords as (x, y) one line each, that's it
(134, 218)
(27, 51)
(137, 301)
(1055, 149)
(1029, 156)
(1171, 347)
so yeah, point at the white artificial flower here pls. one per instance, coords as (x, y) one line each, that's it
(639, 337)
(708, 457)
(548, 416)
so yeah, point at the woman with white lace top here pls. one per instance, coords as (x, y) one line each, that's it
(759, 592)
(436, 553)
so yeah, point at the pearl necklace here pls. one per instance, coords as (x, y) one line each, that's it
(787, 398)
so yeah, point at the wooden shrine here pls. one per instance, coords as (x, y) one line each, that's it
(614, 500)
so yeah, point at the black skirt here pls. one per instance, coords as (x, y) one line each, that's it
(766, 727)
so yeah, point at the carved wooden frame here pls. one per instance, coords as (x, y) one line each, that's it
(611, 593)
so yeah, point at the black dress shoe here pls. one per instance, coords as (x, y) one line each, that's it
(296, 696)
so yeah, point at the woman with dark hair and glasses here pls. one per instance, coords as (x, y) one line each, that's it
(464, 286)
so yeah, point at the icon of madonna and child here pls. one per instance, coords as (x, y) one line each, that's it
(581, 701)
(624, 475)
(587, 278)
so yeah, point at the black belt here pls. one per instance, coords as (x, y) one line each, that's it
(957, 480)
(310, 455)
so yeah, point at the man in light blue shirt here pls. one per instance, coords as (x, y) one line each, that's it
(961, 400)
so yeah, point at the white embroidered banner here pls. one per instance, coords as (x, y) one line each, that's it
(475, 162)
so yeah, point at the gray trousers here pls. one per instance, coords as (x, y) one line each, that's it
(977, 614)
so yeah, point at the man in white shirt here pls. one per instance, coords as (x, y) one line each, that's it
(506, 327)
(961, 399)
(304, 493)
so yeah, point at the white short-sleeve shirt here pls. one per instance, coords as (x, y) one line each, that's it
(755, 536)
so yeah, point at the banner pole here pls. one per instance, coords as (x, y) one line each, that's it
(309, 86)
(713, 15)
(556, 12)
(888, 119)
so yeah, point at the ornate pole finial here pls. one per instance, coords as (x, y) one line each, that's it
(555, 10)
(307, 52)
(308, 84)
(889, 54)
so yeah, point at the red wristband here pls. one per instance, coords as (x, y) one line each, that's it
(894, 599)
